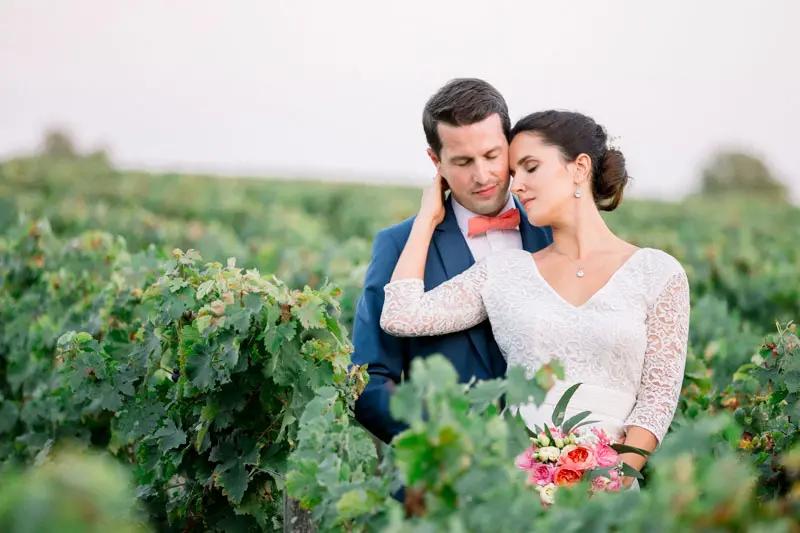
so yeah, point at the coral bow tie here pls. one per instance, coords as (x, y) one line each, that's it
(508, 220)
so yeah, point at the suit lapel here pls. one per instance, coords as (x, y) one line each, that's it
(456, 257)
(453, 250)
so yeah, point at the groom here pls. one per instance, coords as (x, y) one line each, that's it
(466, 124)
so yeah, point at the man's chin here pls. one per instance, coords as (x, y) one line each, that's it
(488, 207)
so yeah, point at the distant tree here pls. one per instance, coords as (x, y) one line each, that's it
(58, 143)
(736, 172)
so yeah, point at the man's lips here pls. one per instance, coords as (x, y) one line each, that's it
(487, 191)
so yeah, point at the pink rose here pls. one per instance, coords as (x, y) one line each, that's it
(602, 436)
(616, 481)
(580, 458)
(605, 456)
(600, 483)
(541, 474)
(525, 460)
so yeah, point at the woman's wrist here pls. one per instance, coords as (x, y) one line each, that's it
(425, 223)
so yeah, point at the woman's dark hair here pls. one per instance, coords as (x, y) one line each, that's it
(575, 134)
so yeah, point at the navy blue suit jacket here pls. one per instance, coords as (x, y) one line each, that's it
(473, 352)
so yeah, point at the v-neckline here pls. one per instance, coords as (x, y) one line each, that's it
(598, 291)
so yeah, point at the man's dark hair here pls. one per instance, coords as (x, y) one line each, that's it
(461, 102)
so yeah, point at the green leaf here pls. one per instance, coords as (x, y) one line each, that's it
(629, 471)
(204, 289)
(485, 393)
(170, 436)
(199, 369)
(357, 502)
(310, 313)
(624, 448)
(522, 390)
(549, 435)
(335, 328)
(203, 322)
(570, 424)
(9, 414)
(778, 396)
(584, 423)
(233, 482)
(561, 407)
(83, 337)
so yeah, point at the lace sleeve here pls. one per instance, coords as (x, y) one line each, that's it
(455, 305)
(665, 359)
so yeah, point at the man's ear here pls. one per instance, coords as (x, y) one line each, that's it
(434, 158)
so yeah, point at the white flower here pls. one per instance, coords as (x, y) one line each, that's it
(543, 439)
(559, 442)
(548, 453)
(547, 493)
(613, 143)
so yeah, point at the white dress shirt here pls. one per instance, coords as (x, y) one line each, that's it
(493, 240)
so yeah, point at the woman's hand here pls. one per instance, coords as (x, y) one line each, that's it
(432, 206)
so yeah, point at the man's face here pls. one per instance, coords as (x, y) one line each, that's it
(474, 161)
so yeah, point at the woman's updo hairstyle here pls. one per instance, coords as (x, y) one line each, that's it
(575, 134)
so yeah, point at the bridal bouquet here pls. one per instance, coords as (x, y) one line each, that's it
(563, 454)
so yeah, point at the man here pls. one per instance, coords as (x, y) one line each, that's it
(466, 125)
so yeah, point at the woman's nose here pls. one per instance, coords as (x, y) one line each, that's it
(516, 185)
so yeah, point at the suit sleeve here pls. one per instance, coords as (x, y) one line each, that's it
(384, 354)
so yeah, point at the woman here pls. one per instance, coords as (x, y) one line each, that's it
(615, 315)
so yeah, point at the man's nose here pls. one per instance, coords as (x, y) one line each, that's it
(481, 174)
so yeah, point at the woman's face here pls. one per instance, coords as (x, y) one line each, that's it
(542, 180)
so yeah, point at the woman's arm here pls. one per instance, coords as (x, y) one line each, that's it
(455, 305)
(662, 373)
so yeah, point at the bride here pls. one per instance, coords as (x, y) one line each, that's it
(615, 315)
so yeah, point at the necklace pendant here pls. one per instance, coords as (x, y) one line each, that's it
(580, 273)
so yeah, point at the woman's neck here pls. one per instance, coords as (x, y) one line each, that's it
(581, 233)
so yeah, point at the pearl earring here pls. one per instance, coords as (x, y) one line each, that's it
(578, 192)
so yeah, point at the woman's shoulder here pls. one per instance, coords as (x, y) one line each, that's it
(661, 268)
(661, 261)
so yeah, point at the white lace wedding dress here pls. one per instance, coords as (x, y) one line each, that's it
(626, 344)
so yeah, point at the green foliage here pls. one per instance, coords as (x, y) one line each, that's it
(456, 462)
(71, 492)
(222, 387)
(195, 373)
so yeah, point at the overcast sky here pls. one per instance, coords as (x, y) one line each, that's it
(337, 88)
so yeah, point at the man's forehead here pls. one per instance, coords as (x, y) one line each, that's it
(487, 133)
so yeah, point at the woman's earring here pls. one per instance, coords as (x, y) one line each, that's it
(578, 192)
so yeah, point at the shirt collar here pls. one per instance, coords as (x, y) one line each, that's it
(463, 214)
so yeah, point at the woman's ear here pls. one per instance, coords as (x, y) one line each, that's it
(583, 168)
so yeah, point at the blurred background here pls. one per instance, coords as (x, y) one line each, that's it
(286, 134)
(335, 90)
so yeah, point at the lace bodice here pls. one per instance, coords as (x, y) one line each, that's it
(630, 336)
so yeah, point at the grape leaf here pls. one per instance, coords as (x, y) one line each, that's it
(170, 436)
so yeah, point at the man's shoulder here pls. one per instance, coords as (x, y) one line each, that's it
(398, 232)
